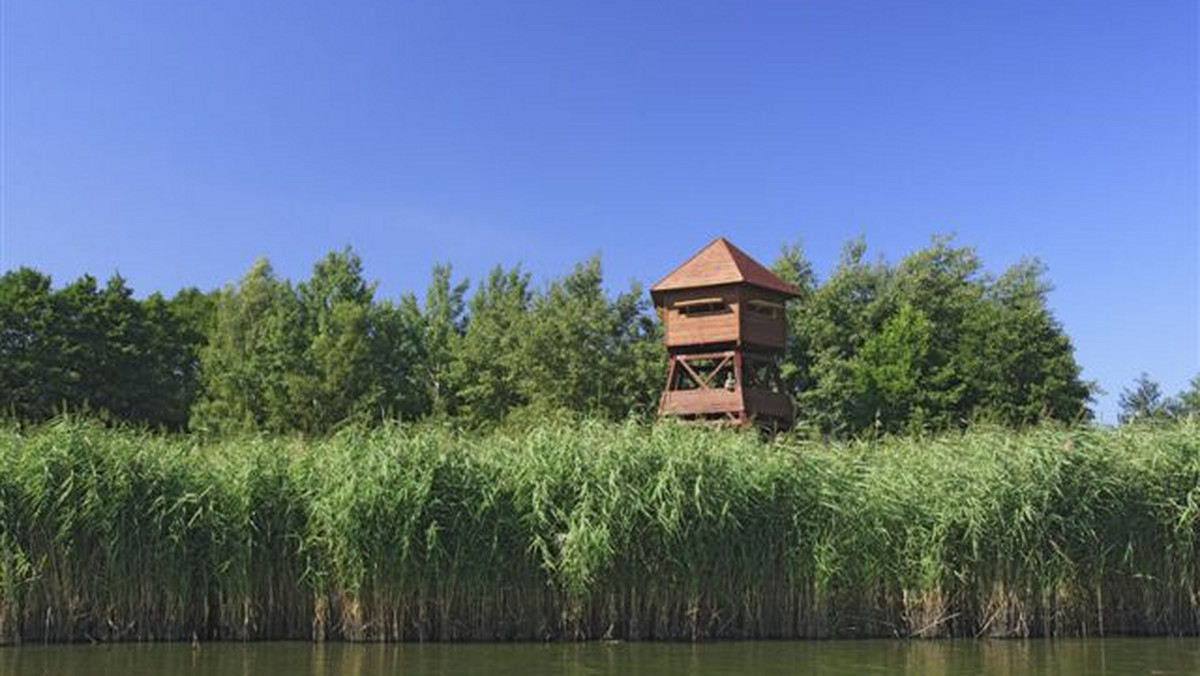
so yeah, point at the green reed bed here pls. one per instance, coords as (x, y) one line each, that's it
(597, 531)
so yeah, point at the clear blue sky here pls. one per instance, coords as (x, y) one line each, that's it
(177, 141)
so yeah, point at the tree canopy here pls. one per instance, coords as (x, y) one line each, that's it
(930, 342)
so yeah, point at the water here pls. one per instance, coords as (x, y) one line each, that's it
(1091, 657)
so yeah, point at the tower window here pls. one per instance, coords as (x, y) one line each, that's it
(702, 306)
(766, 308)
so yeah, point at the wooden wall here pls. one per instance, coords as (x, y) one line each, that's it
(758, 329)
(681, 329)
(738, 324)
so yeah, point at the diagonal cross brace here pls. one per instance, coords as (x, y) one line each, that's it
(703, 382)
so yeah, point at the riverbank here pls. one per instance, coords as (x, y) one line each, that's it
(597, 531)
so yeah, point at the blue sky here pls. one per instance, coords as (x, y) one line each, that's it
(177, 142)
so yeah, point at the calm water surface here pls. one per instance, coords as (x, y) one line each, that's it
(1109, 657)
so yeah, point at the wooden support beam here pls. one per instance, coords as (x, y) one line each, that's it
(703, 377)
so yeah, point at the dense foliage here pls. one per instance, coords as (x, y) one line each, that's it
(83, 347)
(932, 342)
(597, 530)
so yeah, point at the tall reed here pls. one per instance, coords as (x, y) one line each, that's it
(597, 531)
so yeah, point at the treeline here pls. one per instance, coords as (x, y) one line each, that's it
(315, 355)
(98, 349)
(931, 342)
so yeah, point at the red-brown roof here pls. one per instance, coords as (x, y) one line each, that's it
(722, 263)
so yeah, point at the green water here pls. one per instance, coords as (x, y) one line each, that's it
(1109, 657)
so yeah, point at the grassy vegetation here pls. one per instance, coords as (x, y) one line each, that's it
(593, 530)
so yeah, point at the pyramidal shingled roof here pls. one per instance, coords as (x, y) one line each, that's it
(722, 263)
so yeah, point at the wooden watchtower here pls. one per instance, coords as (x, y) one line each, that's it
(724, 328)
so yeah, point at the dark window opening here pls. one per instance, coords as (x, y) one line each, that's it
(700, 309)
(762, 375)
(766, 309)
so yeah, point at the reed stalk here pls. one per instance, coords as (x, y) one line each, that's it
(592, 531)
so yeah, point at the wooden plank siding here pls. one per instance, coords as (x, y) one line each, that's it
(766, 402)
(762, 331)
(681, 329)
(739, 325)
(758, 329)
(701, 402)
(708, 402)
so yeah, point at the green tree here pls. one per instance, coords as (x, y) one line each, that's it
(315, 356)
(793, 267)
(121, 377)
(890, 373)
(337, 380)
(1144, 401)
(444, 323)
(398, 359)
(170, 376)
(256, 348)
(1189, 399)
(945, 284)
(929, 343)
(81, 338)
(86, 348)
(828, 330)
(586, 354)
(639, 358)
(1018, 362)
(192, 320)
(106, 351)
(488, 364)
(33, 382)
